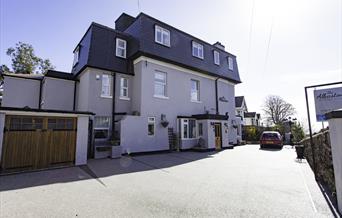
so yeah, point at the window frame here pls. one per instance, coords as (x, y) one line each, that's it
(198, 90)
(76, 56)
(216, 57)
(164, 84)
(105, 128)
(186, 122)
(122, 87)
(150, 122)
(197, 45)
(162, 30)
(230, 63)
(117, 48)
(104, 95)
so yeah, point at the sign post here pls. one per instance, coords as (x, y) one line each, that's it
(309, 119)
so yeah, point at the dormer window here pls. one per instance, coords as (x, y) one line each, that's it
(162, 36)
(230, 63)
(76, 55)
(121, 48)
(216, 57)
(197, 50)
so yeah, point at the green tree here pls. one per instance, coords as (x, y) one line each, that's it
(297, 132)
(25, 61)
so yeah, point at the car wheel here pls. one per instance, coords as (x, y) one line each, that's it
(261, 146)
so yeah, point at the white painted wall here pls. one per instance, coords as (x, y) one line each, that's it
(20, 92)
(82, 140)
(335, 127)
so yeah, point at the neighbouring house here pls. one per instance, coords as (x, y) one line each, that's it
(143, 86)
(240, 106)
(245, 118)
(251, 119)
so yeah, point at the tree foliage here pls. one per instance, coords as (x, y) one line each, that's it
(277, 109)
(25, 61)
(297, 132)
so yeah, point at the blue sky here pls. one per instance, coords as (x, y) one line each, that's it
(281, 45)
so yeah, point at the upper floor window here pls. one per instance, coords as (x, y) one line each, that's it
(216, 57)
(160, 84)
(121, 48)
(162, 36)
(230, 63)
(195, 92)
(123, 87)
(106, 86)
(76, 56)
(197, 50)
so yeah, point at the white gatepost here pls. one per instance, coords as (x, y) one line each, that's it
(82, 140)
(335, 129)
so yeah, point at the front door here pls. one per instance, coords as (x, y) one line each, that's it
(218, 133)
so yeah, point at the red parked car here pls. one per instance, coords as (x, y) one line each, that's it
(271, 138)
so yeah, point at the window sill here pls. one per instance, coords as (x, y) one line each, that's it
(198, 102)
(124, 98)
(106, 96)
(201, 58)
(123, 57)
(160, 43)
(188, 139)
(161, 97)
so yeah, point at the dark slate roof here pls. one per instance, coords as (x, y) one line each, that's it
(97, 48)
(249, 114)
(239, 101)
(60, 75)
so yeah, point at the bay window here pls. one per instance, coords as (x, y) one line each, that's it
(101, 127)
(188, 129)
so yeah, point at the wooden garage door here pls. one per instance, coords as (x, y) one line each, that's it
(38, 142)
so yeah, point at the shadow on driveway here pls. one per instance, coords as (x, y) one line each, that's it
(97, 169)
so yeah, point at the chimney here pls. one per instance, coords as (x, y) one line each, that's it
(123, 22)
(219, 45)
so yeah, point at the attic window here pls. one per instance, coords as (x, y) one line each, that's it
(121, 48)
(197, 50)
(76, 55)
(162, 36)
(230, 63)
(216, 57)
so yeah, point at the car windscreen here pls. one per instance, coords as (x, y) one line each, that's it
(270, 136)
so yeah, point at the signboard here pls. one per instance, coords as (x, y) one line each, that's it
(327, 100)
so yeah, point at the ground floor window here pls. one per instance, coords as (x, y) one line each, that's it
(188, 128)
(101, 127)
(151, 123)
(200, 129)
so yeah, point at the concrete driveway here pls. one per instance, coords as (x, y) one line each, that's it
(243, 182)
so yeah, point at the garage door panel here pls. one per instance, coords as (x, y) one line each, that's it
(20, 150)
(38, 142)
(62, 149)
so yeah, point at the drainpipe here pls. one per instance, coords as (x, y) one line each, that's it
(74, 103)
(216, 96)
(40, 94)
(113, 106)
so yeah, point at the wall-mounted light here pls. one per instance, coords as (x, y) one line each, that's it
(97, 77)
(223, 99)
(164, 122)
